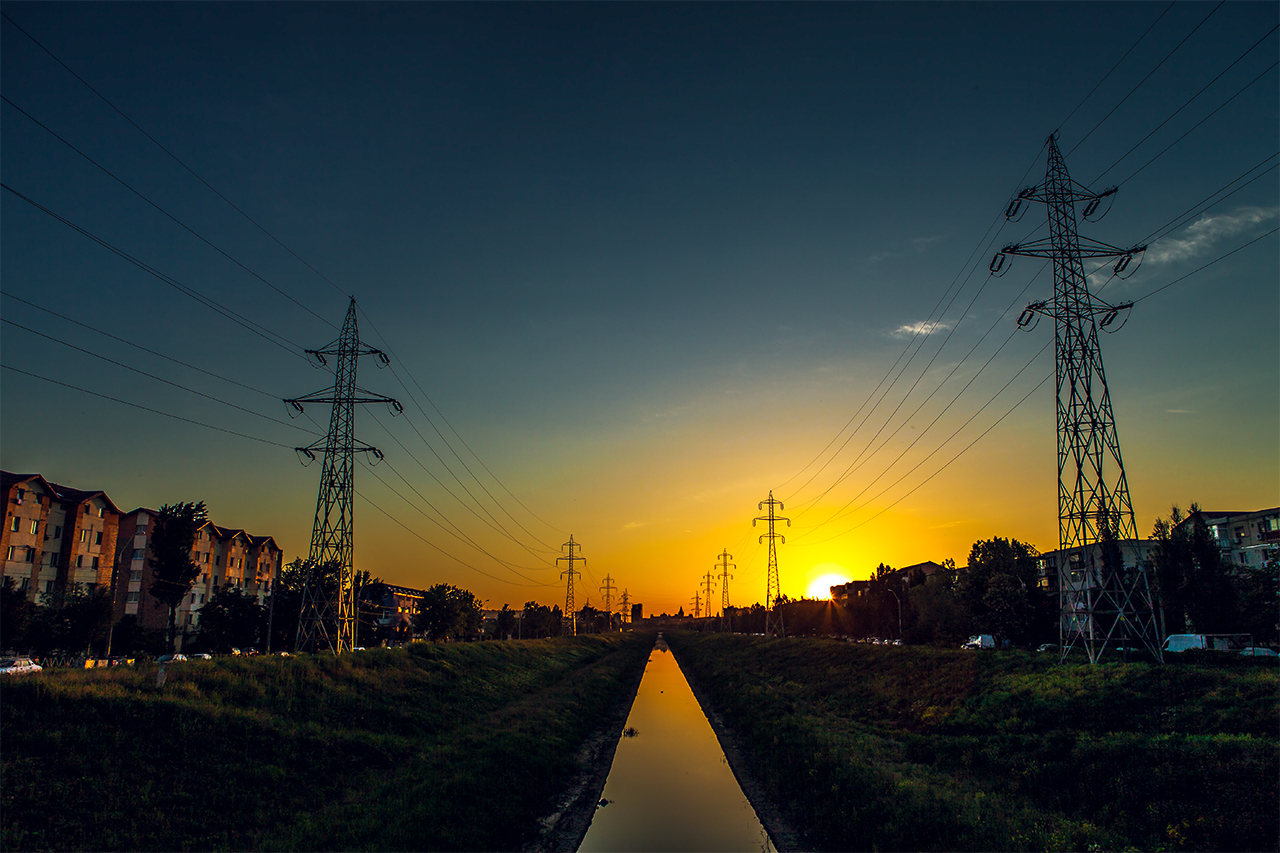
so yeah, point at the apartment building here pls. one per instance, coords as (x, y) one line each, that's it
(226, 556)
(1245, 538)
(54, 536)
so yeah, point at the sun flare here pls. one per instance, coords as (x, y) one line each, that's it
(826, 576)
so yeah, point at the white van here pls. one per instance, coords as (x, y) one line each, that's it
(1215, 642)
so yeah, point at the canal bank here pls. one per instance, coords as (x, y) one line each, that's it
(784, 838)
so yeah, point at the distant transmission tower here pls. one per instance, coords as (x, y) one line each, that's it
(708, 586)
(332, 531)
(772, 623)
(570, 614)
(697, 606)
(624, 608)
(726, 622)
(1101, 600)
(607, 588)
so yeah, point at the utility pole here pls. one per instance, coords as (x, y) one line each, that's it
(332, 532)
(624, 608)
(697, 606)
(726, 622)
(607, 588)
(571, 556)
(708, 582)
(1100, 599)
(772, 623)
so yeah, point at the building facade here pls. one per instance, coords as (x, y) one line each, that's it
(55, 536)
(226, 556)
(1246, 538)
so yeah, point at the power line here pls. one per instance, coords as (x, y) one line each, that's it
(1186, 104)
(138, 346)
(1206, 266)
(173, 218)
(1158, 19)
(142, 407)
(177, 385)
(208, 302)
(1238, 93)
(1149, 73)
(175, 157)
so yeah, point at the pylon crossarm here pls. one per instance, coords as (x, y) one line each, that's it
(1048, 247)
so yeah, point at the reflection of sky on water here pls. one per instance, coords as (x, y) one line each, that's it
(670, 787)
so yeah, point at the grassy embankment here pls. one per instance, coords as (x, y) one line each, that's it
(893, 748)
(452, 747)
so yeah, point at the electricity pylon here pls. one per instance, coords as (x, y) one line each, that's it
(772, 624)
(708, 586)
(724, 565)
(333, 529)
(607, 588)
(624, 608)
(697, 606)
(570, 614)
(1100, 599)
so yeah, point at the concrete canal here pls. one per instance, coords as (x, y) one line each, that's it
(670, 787)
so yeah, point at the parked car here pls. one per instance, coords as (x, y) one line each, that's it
(980, 641)
(17, 666)
(202, 656)
(1259, 652)
(1214, 642)
(171, 658)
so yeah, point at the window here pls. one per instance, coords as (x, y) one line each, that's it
(98, 539)
(217, 561)
(31, 555)
(53, 558)
(35, 526)
(57, 532)
(137, 553)
(135, 575)
(22, 493)
(26, 582)
(84, 535)
(14, 521)
(100, 511)
(95, 562)
(79, 561)
(133, 598)
(48, 586)
(9, 555)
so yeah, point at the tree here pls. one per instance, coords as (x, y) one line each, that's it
(231, 619)
(72, 619)
(287, 598)
(447, 612)
(172, 569)
(999, 588)
(940, 618)
(1194, 585)
(506, 622)
(16, 613)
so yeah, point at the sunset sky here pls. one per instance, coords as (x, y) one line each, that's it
(638, 264)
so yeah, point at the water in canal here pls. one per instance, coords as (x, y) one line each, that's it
(670, 787)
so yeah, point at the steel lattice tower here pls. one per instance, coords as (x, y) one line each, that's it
(772, 623)
(707, 586)
(607, 588)
(570, 615)
(332, 531)
(724, 565)
(624, 608)
(1100, 599)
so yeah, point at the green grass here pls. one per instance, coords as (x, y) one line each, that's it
(450, 747)
(904, 748)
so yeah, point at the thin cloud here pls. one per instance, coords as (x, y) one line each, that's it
(920, 327)
(1200, 237)
(918, 245)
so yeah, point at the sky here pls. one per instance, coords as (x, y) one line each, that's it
(636, 266)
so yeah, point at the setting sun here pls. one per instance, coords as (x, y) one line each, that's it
(825, 576)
